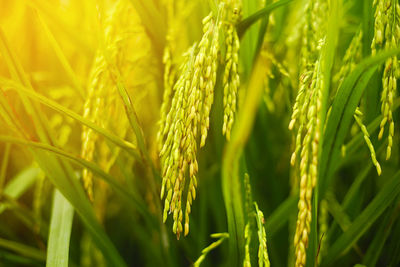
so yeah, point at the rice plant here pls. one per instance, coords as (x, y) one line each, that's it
(199, 133)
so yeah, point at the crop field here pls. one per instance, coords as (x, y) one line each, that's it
(199, 133)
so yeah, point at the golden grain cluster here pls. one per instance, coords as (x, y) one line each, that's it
(103, 105)
(386, 36)
(185, 112)
(231, 79)
(306, 112)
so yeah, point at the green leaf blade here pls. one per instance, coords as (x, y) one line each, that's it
(60, 232)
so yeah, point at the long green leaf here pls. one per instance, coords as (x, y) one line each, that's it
(65, 180)
(376, 246)
(19, 184)
(13, 259)
(281, 215)
(60, 231)
(363, 222)
(394, 246)
(353, 145)
(22, 249)
(133, 199)
(343, 107)
(340, 217)
(26, 216)
(59, 172)
(129, 147)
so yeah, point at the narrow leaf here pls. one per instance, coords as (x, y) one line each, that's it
(22, 249)
(60, 231)
(363, 222)
(129, 147)
(343, 107)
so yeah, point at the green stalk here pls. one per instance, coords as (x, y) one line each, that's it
(231, 184)
(4, 165)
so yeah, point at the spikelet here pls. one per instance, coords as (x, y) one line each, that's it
(91, 110)
(271, 97)
(188, 117)
(306, 112)
(231, 79)
(249, 224)
(221, 237)
(312, 31)
(386, 35)
(99, 92)
(263, 259)
(207, 80)
(308, 165)
(247, 238)
(294, 29)
(248, 197)
(357, 117)
(255, 221)
(268, 96)
(258, 216)
(323, 227)
(169, 69)
(351, 57)
(103, 105)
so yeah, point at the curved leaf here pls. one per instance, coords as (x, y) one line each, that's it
(343, 107)
(364, 221)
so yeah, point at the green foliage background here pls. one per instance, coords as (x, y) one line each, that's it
(363, 208)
